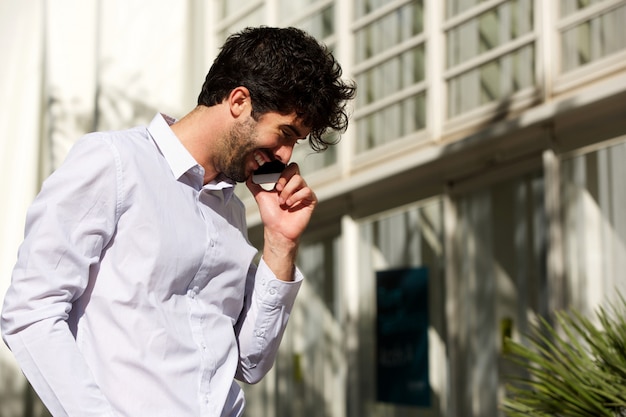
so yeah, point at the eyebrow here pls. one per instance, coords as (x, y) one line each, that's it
(294, 130)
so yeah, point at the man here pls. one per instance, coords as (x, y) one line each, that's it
(134, 292)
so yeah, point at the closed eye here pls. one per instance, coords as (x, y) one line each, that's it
(291, 138)
(292, 135)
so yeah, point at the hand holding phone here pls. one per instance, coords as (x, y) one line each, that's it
(267, 175)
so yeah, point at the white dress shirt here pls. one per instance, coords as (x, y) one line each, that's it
(134, 292)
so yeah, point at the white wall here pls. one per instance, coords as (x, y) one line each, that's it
(21, 37)
(73, 66)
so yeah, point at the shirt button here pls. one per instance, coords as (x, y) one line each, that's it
(272, 291)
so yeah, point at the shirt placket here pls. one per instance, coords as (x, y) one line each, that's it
(198, 315)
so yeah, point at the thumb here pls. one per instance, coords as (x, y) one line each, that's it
(254, 188)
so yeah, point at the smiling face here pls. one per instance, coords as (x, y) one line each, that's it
(249, 144)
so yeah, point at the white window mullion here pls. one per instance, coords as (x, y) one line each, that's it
(596, 44)
(272, 13)
(351, 286)
(547, 64)
(478, 60)
(555, 263)
(505, 19)
(435, 61)
(527, 23)
(470, 82)
(344, 51)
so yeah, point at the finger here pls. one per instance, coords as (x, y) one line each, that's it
(294, 184)
(290, 171)
(303, 196)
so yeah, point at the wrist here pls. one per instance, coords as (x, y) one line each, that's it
(279, 253)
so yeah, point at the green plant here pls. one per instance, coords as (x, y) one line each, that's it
(577, 370)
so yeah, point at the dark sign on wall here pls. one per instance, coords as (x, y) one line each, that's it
(402, 336)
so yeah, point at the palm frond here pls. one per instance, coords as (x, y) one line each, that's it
(572, 368)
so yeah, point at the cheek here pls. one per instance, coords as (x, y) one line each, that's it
(242, 139)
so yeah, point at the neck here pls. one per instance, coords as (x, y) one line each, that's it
(197, 132)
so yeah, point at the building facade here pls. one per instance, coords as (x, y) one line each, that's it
(487, 145)
(486, 156)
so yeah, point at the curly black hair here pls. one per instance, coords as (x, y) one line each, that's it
(286, 70)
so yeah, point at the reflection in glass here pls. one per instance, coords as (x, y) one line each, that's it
(594, 39)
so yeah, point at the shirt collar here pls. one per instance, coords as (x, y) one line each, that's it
(179, 158)
(176, 155)
(223, 183)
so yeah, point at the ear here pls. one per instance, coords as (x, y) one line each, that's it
(239, 101)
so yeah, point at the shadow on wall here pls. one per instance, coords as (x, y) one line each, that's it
(114, 106)
(122, 105)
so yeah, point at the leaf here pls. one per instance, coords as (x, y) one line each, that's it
(577, 370)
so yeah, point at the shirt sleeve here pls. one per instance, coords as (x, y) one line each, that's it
(67, 227)
(260, 329)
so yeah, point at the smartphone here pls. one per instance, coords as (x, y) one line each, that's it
(267, 175)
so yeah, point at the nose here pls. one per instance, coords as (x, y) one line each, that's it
(283, 153)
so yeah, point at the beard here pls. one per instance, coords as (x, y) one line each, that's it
(238, 145)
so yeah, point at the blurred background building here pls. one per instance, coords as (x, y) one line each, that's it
(486, 160)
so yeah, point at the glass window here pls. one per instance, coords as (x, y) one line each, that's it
(499, 263)
(226, 8)
(381, 74)
(394, 121)
(494, 79)
(310, 161)
(455, 7)
(391, 76)
(255, 18)
(289, 8)
(593, 194)
(593, 38)
(390, 30)
(319, 261)
(571, 6)
(365, 7)
(321, 25)
(408, 238)
(489, 30)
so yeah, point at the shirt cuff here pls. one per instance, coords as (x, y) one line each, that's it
(273, 291)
